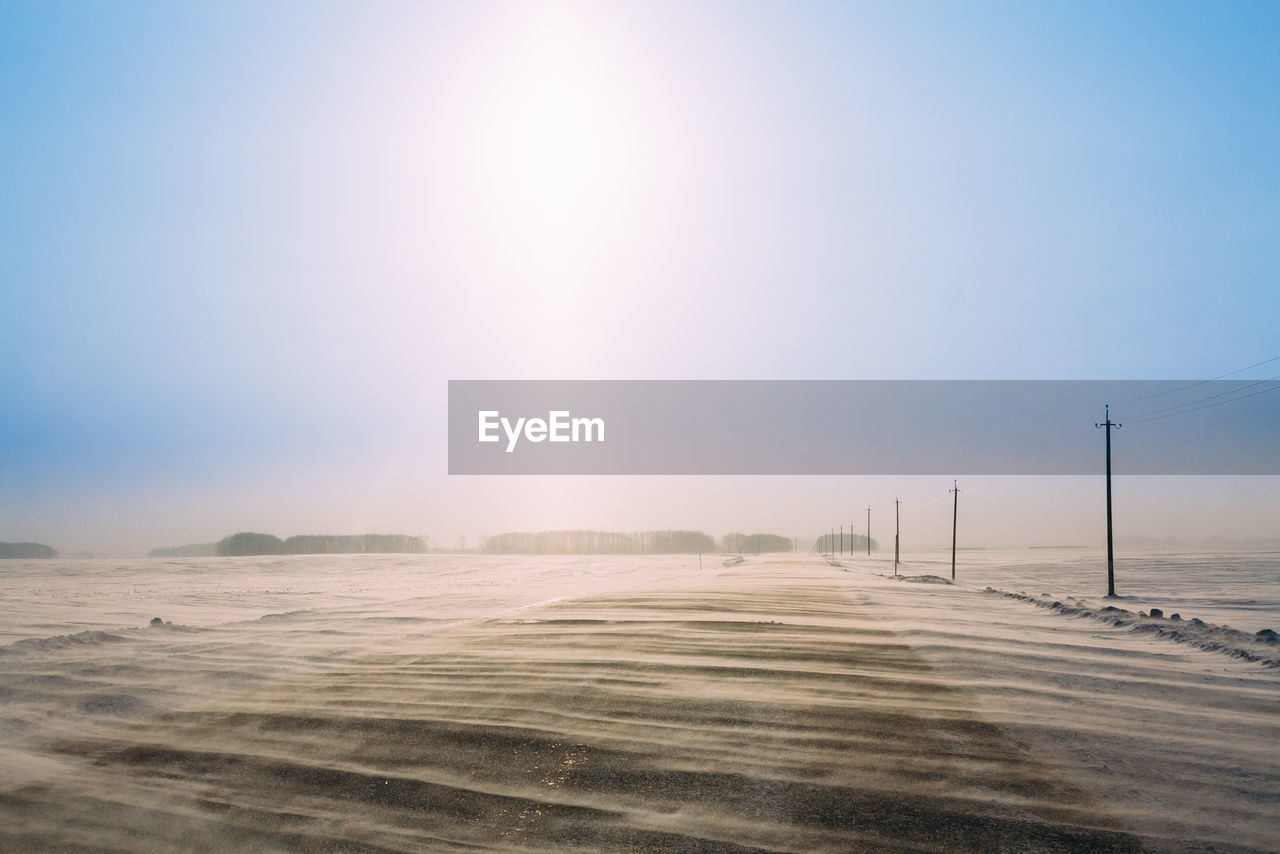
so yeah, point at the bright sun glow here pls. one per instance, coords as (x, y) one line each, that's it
(557, 147)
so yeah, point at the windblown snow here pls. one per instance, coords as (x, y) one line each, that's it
(777, 703)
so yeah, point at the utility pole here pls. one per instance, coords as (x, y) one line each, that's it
(868, 532)
(897, 531)
(842, 540)
(955, 506)
(1111, 555)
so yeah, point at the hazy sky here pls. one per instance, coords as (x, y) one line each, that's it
(244, 246)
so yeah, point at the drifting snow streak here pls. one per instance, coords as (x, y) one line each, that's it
(626, 704)
(85, 638)
(1261, 647)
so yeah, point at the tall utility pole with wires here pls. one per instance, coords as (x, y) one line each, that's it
(868, 532)
(955, 506)
(897, 530)
(1111, 555)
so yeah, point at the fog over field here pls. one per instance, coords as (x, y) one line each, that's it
(996, 512)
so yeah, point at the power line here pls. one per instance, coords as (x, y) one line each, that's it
(1201, 400)
(1202, 382)
(931, 501)
(1207, 406)
(1171, 410)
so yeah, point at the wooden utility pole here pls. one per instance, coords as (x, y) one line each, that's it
(842, 540)
(868, 532)
(1111, 555)
(955, 506)
(897, 531)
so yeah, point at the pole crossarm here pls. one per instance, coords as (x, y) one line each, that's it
(1108, 423)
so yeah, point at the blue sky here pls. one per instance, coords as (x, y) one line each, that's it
(244, 246)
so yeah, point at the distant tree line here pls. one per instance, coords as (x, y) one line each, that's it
(755, 543)
(189, 550)
(248, 543)
(599, 542)
(326, 544)
(26, 550)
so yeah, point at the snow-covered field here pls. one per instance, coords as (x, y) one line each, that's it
(410, 703)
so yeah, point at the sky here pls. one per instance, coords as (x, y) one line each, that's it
(245, 246)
